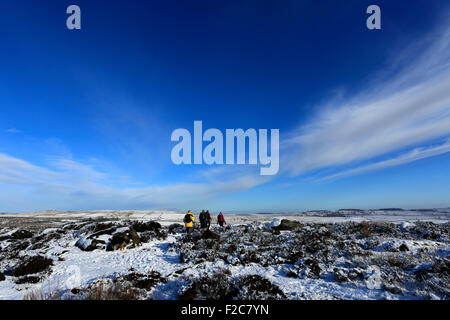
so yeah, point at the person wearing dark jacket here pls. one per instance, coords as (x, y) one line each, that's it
(220, 219)
(208, 219)
(203, 219)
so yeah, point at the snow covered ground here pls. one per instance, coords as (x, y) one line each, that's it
(167, 217)
(386, 254)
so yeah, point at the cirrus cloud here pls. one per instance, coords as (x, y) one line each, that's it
(407, 110)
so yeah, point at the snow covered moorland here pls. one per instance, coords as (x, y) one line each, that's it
(146, 255)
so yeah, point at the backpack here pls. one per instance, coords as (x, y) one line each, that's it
(187, 218)
(221, 219)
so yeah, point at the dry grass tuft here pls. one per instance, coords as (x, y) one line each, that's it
(112, 291)
(39, 294)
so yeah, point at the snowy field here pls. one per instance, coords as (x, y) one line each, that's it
(323, 216)
(347, 254)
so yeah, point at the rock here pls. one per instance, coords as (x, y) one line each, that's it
(291, 274)
(313, 266)
(233, 260)
(184, 257)
(287, 225)
(100, 226)
(2, 277)
(250, 257)
(208, 234)
(355, 274)
(146, 226)
(21, 234)
(43, 240)
(323, 231)
(394, 290)
(275, 223)
(102, 232)
(403, 247)
(339, 275)
(120, 240)
(135, 237)
(32, 265)
(421, 274)
(441, 267)
(89, 244)
(19, 246)
(28, 279)
(148, 236)
(175, 228)
(75, 291)
(404, 226)
(231, 248)
(195, 235)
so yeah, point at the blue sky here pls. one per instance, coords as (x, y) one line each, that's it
(86, 115)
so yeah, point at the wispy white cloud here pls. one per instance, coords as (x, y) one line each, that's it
(14, 130)
(17, 171)
(413, 155)
(77, 169)
(69, 184)
(410, 108)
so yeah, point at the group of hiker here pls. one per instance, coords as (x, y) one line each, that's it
(205, 220)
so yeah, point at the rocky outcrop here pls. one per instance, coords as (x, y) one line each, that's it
(31, 265)
(287, 225)
(208, 234)
(124, 239)
(87, 244)
(21, 234)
